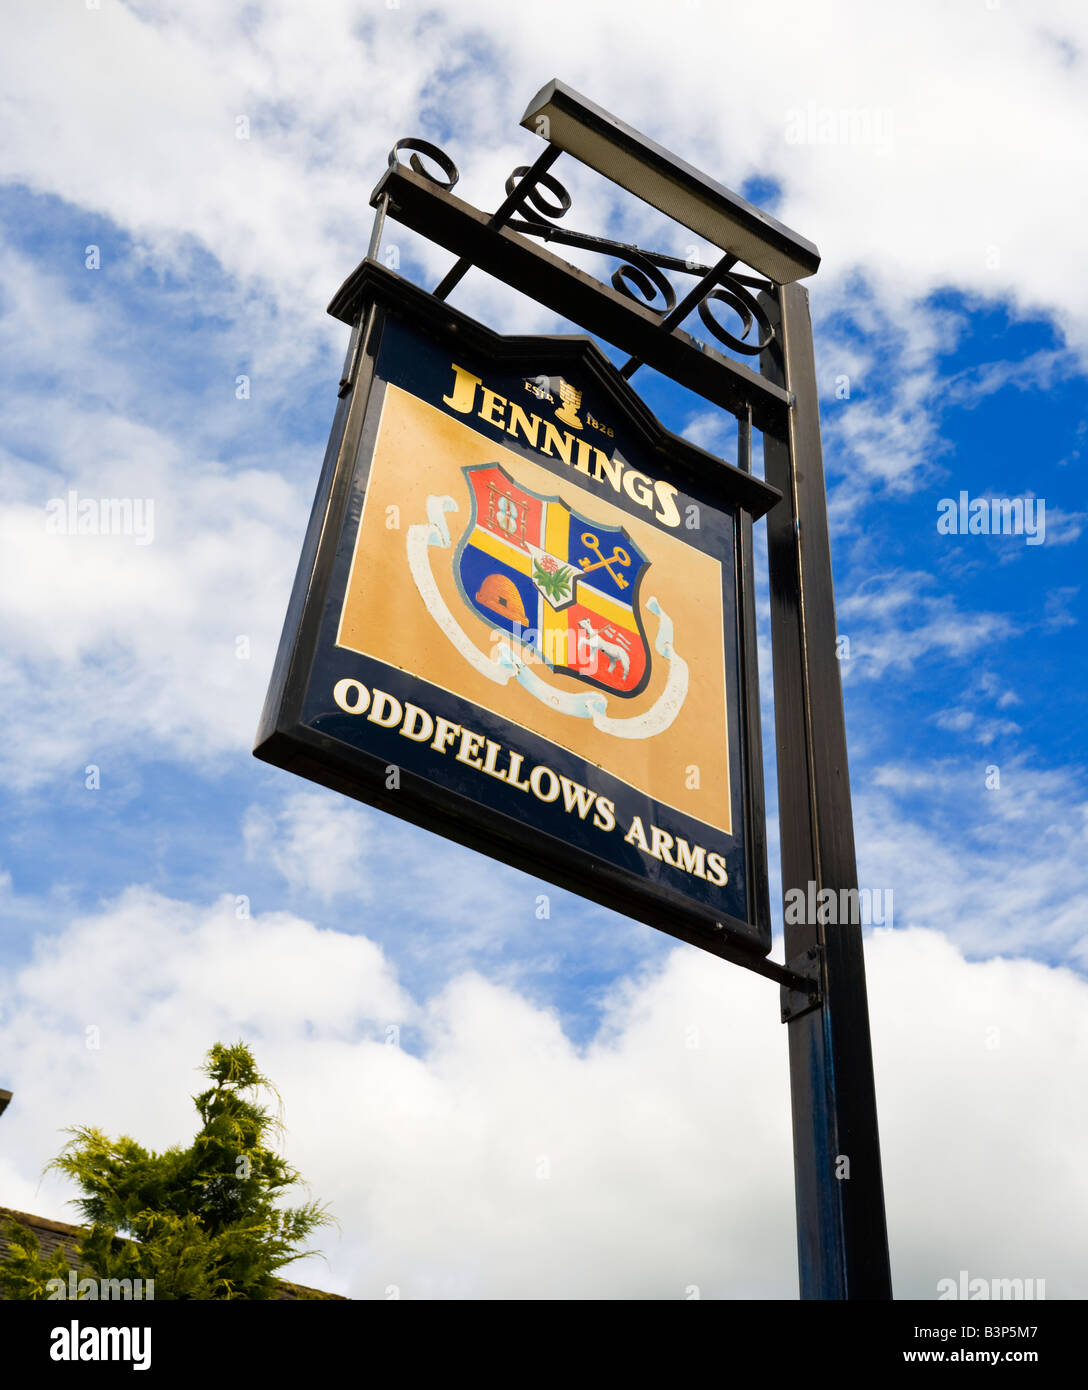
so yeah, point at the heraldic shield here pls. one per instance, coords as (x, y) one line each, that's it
(564, 586)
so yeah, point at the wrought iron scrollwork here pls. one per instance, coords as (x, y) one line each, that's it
(748, 310)
(639, 279)
(535, 197)
(641, 276)
(424, 147)
(536, 201)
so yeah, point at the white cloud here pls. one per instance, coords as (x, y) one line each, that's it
(443, 908)
(161, 638)
(145, 128)
(880, 380)
(962, 720)
(958, 721)
(998, 863)
(500, 1161)
(1062, 527)
(1042, 371)
(317, 841)
(124, 964)
(894, 620)
(974, 1067)
(1056, 608)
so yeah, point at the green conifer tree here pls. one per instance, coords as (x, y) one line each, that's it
(202, 1221)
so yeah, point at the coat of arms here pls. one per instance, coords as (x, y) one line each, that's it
(563, 586)
(561, 592)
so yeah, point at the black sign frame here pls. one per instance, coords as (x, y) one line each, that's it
(372, 297)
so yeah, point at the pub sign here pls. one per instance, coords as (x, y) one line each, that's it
(524, 619)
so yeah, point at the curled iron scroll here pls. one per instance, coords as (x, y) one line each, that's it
(747, 309)
(534, 195)
(641, 280)
(424, 147)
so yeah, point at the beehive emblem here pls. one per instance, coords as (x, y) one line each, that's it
(499, 594)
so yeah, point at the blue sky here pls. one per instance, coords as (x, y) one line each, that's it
(955, 311)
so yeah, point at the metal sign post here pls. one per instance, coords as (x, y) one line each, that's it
(413, 671)
(841, 1231)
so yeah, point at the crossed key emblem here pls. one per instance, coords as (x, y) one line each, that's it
(619, 556)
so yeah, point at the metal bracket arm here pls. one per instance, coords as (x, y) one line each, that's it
(444, 219)
(808, 967)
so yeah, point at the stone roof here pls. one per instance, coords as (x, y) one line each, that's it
(58, 1235)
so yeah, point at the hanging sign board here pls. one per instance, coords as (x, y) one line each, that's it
(523, 619)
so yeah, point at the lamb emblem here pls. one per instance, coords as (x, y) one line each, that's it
(593, 642)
